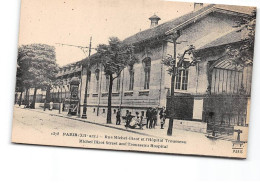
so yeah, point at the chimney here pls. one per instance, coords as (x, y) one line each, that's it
(154, 20)
(198, 6)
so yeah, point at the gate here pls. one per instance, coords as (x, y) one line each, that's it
(224, 111)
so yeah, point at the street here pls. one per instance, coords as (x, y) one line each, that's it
(50, 128)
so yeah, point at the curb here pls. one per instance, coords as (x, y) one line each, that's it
(105, 125)
(94, 123)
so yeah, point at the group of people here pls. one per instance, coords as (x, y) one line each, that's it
(151, 117)
(137, 120)
(130, 120)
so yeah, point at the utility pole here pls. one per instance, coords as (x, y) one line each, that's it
(84, 114)
(171, 115)
(176, 67)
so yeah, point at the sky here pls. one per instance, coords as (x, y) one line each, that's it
(75, 21)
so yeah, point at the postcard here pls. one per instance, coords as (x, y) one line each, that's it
(145, 76)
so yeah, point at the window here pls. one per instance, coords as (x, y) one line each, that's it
(131, 78)
(178, 80)
(97, 80)
(118, 80)
(147, 71)
(181, 81)
(185, 74)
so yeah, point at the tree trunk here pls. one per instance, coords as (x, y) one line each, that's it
(109, 99)
(48, 94)
(171, 109)
(20, 101)
(26, 101)
(34, 98)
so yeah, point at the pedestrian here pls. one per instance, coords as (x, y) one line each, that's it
(136, 121)
(118, 117)
(148, 117)
(125, 117)
(51, 105)
(162, 116)
(151, 118)
(63, 106)
(44, 105)
(154, 117)
(128, 119)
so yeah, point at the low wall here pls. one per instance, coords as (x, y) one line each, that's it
(193, 126)
(41, 105)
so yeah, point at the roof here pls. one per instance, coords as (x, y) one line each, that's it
(240, 9)
(227, 64)
(180, 22)
(227, 38)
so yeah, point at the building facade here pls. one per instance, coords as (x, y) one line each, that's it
(147, 84)
(199, 89)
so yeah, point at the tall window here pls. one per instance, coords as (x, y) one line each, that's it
(182, 80)
(147, 71)
(118, 80)
(131, 78)
(185, 75)
(97, 80)
(178, 80)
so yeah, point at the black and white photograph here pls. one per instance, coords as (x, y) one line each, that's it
(129, 91)
(156, 81)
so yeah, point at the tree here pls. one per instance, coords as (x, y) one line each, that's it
(243, 55)
(37, 67)
(23, 78)
(174, 68)
(114, 57)
(19, 83)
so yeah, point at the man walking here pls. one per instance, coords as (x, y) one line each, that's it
(154, 117)
(148, 117)
(162, 116)
(128, 119)
(118, 117)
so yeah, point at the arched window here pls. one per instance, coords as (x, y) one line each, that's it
(97, 80)
(131, 77)
(147, 71)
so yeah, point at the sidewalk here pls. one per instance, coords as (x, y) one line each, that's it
(155, 132)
